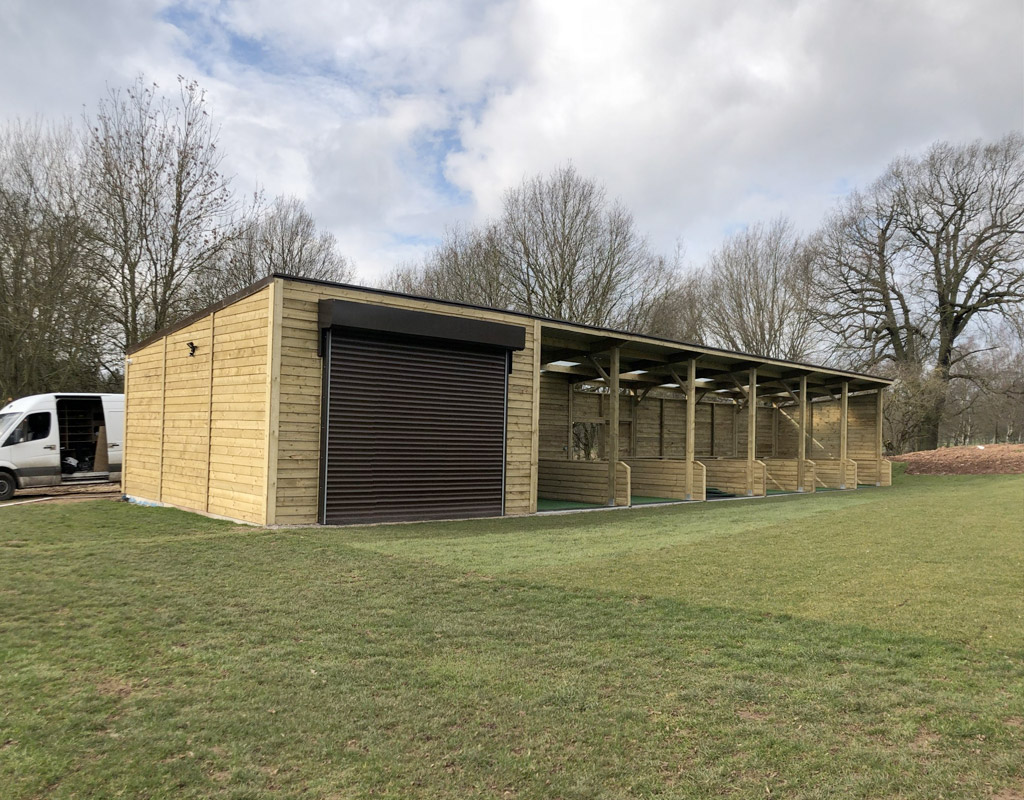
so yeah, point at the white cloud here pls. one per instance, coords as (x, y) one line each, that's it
(701, 117)
(392, 119)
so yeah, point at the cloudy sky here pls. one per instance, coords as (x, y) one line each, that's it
(394, 119)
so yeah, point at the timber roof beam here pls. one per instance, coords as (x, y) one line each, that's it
(562, 341)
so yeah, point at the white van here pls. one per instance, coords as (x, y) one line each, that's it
(53, 439)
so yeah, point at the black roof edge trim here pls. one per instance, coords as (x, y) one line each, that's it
(385, 319)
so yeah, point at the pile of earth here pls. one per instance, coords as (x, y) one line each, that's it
(988, 459)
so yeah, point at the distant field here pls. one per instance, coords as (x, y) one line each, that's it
(864, 644)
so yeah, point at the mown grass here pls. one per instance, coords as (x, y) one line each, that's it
(866, 644)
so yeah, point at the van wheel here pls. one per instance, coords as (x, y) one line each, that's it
(7, 485)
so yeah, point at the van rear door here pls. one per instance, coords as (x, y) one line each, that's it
(113, 415)
(34, 449)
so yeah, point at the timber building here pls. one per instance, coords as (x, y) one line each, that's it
(302, 402)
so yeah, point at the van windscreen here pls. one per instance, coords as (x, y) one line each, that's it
(6, 420)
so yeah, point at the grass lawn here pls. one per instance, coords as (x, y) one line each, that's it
(863, 644)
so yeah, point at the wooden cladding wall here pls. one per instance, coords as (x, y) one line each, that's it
(823, 429)
(862, 436)
(656, 477)
(862, 441)
(673, 420)
(647, 416)
(240, 429)
(658, 424)
(196, 426)
(143, 423)
(725, 430)
(582, 481)
(783, 474)
(862, 445)
(832, 473)
(876, 471)
(554, 416)
(299, 446)
(788, 435)
(186, 430)
(765, 442)
(730, 475)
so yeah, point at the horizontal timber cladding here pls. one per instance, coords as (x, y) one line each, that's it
(824, 425)
(732, 475)
(765, 442)
(196, 419)
(415, 429)
(877, 471)
(647, 417)
(664, 477)
(783, 474)
(833, 473)
(655, 425)
(143, 386)
(298, 450)
(582, 481)
(554, 416)
(788, 438)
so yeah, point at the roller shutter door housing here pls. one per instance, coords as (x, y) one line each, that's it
(414, 429)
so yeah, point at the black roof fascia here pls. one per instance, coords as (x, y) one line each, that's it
(386, 319)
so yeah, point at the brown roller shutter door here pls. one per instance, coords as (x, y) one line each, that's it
(414, 429)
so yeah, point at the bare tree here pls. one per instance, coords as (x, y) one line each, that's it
(908, 401)
(282, 237)
(869, 297)
(559, 249)
(466, 266)
(109, 234)
(51, 330)
(679, 312)
(930, 250)
(988, 406)
(758, 293)
(159, 207)
(569, 253)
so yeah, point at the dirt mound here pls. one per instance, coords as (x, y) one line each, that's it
(989, 459)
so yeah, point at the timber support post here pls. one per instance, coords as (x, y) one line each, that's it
(751, 429)
(879, 446)
(613, 423)
(691, 420)
(801, 448)
(844, 408)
